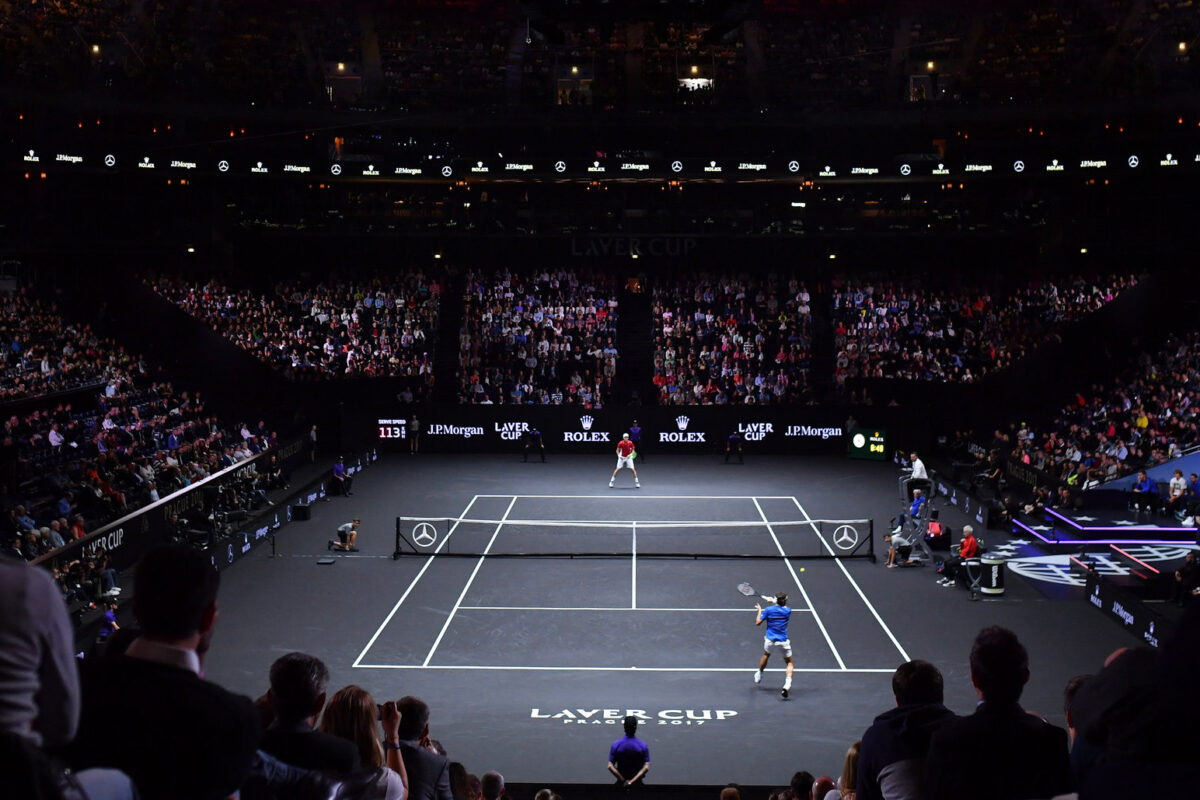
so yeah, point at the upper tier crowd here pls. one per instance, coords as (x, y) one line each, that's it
(105, 731)
(1150, 415)
(375, 328)
(547, 337)
(937, 334)
(732, 339)
(43, 353)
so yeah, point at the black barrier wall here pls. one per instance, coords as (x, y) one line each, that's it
(696, 430)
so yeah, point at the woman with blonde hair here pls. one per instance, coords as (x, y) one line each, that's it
(353, 715)
(848, 782)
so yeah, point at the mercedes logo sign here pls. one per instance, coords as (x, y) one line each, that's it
(845, 537)
(676, 166)
(424, 534)
(560, 166)
(446, 171)
(1018, 166)
(793, 166)
(336, 169)
(223, 166)
(905, 169)
(1133, 161)
(110, 160)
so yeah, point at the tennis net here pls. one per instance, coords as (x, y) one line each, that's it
(517, 538)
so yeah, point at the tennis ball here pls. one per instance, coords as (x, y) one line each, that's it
(802, 569)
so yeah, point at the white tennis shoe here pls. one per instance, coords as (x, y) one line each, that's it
(758, 676)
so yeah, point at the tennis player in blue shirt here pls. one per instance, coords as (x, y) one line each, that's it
(777, 618)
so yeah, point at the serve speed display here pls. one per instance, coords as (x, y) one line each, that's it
(392, 429)
(868, 443)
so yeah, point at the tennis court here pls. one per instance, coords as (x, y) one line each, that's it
(658, 568)
(547, 606)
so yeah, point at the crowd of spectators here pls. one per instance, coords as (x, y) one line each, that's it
(1147, 417)
(953, 334)
(383, 327)
(546, 337)
(68, 472)
(106, 723)
(44, 353)
(732, 339)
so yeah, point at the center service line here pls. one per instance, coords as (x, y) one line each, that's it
(800, 586)
(470, 580)
(633, 563)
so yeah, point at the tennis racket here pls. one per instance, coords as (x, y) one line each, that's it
(750, 591)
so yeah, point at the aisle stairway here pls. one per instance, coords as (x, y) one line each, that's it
(445, 354)
(635, 344)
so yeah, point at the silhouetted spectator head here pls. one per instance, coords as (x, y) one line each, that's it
(917, 682)
(175, 594)
(492, 784)
(1069, 701)
(999, 665)
(631, 724)
(459, 785)
(414, 718)
(298, 683)
(731, 792)
(801, 785)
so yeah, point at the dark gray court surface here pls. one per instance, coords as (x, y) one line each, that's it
(529, 664)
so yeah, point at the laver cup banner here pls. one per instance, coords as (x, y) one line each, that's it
(698, 430)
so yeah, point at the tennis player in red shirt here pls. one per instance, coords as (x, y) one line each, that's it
(625, 459)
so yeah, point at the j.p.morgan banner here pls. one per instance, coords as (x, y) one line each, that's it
(573, 429)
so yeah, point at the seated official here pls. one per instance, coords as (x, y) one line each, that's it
(968, 547)
(342, 483)
(914, 510)
(533, 444)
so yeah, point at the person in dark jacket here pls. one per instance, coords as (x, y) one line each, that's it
(965, 753)
(891, 760)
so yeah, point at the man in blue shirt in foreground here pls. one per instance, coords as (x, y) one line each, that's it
(776, 617)
(629, 757)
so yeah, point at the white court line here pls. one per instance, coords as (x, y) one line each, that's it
(856, 670)
(470, 580)
(633, 566)
(412, 584)
(853, 583)
(799, 585)
(610, 608)
(626, 498)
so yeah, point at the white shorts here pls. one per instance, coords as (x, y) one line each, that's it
(624, 462)
(785, 645)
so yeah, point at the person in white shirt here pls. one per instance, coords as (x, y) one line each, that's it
(918, 478)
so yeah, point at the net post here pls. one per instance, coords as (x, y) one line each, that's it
(871, 539)
(396, 553)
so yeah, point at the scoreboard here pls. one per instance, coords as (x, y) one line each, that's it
(868, 443)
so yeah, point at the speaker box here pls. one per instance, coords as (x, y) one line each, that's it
(301, 511)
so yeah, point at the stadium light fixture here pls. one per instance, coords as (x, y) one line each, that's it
(1183, 47)
(341, 67)
(695, 70)
(191, 249)
(574, 70)
(1083, 251)
(929, 66)
(96, 49)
